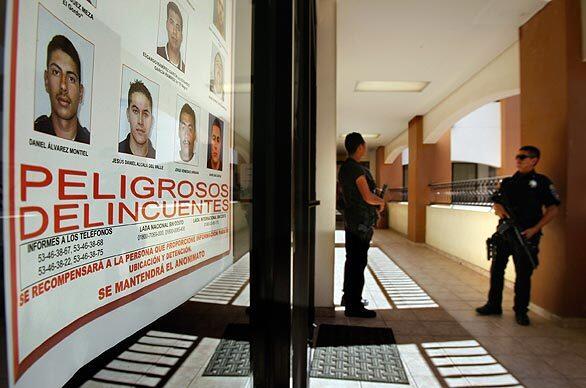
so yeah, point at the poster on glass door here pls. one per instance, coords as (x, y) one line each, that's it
(116, 173)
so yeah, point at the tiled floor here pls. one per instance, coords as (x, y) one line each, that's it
(541, 355)
(427, 300)
(176, 351)
(450, 345)
(228, 286)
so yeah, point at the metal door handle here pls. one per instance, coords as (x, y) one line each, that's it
(314, 203)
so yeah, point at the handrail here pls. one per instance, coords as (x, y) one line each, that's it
(398, 194)
(476, 192)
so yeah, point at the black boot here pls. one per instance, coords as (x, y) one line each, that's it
(359, 312)
(522, 319)
(343, 301)
(489, 310)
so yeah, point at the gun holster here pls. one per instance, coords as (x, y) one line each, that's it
(492, 246)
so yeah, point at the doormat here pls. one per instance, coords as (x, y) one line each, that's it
(232, 356)
(357, 353)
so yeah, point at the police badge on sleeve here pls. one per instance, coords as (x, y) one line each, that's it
(554, 192)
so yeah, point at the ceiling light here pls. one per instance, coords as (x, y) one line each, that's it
(364, 135)
(390, 86)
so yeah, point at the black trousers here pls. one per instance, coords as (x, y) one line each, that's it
(523, 272)
(356, 261)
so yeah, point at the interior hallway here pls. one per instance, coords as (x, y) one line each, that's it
(426, 299)
(460, 348)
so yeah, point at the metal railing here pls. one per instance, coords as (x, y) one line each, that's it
(476, 192)
(399, 194)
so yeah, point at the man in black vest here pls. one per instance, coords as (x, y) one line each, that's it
(526, 194)
(360, 215)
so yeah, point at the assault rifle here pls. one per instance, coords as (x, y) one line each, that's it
(509, 229)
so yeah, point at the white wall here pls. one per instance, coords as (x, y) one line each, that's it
(462, 233)
(395, 147)
(398, 216)
(325, 224)
(498, 80)
(476, 138)
(405, 157)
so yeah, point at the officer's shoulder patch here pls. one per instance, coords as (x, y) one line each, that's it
(554, 192)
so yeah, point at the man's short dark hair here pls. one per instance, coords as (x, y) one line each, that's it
(533, 151)
(186, 109)
(171, 6)
(352, 142)
(138, 87)
(59, 42)
(217, 123)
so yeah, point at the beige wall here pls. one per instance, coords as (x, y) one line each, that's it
(462, 233)
(325, 224)
(398, 217)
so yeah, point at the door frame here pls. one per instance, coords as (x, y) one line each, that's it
(271, 135)
(283, 156)
(304, 168)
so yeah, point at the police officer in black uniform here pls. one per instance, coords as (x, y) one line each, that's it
(533, 201)
(360, 215)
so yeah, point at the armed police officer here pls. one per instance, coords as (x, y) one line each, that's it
(360, 215)
(528, 201)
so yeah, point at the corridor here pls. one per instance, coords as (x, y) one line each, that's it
(424, 297)
(450, 345)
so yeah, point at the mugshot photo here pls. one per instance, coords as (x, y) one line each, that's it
(220, 17)
(217, 73)
(215, 143)
(138, 115)
(187, 139)
(63, 80)
(172, 37)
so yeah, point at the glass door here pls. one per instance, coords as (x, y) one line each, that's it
(304, 191)
(270, 266)
(283, 242)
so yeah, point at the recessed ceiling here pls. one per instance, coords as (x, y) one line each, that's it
(444, 42)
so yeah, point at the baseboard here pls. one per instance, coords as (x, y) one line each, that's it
(397, 231)
(570, 323)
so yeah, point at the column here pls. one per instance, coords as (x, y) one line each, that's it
(325, 224)
(418, 182)
(553, 113)
(510, 134)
